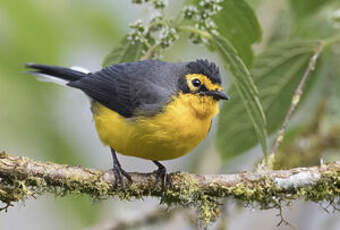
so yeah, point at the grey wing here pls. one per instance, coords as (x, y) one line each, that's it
(128, 88)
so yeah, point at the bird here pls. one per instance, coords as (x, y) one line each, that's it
(148, 109)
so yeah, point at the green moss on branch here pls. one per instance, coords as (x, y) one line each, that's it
(22, 178)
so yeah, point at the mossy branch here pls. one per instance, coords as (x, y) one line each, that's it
(22, 178)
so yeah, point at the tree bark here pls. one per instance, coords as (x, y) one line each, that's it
(22, 178)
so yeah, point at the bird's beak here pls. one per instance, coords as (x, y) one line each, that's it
(217, 95)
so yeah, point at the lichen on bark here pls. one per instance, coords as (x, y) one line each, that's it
(22, 178)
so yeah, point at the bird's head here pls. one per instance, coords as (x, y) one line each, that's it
(203, 79)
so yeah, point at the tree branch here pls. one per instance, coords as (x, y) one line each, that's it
(21, 178)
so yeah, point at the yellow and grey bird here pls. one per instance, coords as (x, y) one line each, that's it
(148, 109)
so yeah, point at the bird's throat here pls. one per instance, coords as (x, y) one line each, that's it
(203, 107)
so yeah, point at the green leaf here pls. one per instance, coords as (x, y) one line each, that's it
(304, 8)
(246, 90)
(238, 24)
(277, 72)
(125, 52)
(332, 109)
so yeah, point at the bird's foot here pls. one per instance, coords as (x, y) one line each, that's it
(161, 177)
(119, 174)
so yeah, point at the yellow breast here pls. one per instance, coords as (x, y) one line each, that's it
(182, 125)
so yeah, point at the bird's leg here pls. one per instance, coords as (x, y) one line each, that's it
(161, 176)
(119, 172)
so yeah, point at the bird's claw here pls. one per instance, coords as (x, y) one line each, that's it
(161, 177)
(119, 174)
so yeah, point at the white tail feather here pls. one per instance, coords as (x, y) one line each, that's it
(80, 69)
(48, 78)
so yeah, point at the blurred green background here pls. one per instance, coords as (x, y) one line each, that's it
(47, 122)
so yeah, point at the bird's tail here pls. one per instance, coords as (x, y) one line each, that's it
(56, 73)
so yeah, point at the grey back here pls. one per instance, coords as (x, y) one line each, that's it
(138, 88)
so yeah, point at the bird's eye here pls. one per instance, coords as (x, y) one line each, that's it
(195, 82)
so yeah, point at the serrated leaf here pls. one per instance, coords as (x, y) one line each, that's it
(276, 73)
(246, 90)
(238, 24)
(125, 52)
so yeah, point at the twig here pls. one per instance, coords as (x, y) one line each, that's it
(283, 220)
(190, 29)
(22, 178)
(155, 217)
(296, 99)
(149, 53)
